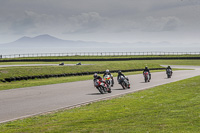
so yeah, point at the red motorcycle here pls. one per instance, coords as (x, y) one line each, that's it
(102, 86)
(146, 77)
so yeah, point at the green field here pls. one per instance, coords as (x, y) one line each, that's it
(173, 107)
(97, 66)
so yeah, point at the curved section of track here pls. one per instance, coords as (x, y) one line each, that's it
(25, 102)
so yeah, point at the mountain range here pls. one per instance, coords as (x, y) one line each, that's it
(50, 41)
(45, 41)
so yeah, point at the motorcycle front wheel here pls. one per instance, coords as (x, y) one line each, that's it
(109, 90)
(145, 79)
(123, 85)
(100, 88)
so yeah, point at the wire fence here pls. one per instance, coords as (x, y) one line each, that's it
(97, 54)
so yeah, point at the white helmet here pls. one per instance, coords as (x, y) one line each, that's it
(107, 71)
(95, 75)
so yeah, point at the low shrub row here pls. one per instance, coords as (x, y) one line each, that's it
(67, 75)
(103, 59)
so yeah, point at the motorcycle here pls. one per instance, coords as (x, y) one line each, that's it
(124, 82)
(108, 80)
(169, 73)
(101, 86)
(146, 77)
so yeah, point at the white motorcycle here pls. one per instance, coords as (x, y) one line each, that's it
(108, 81)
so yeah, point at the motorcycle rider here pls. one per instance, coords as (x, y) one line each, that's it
(169, 68)
(100, 79)
(107, 72)
(97, 77)
(120, 74)
(146, 69)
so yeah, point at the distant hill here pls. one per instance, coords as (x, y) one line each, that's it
(46, 41)
(39, 39)
(50, 41)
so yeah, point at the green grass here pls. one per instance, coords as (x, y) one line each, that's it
(174, 107)
(167, 62)
(7, 72)
(98, 66)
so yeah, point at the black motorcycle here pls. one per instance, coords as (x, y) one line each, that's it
(124, 82)
(169, 73)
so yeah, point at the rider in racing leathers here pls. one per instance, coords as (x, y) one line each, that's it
(97, 77)
(120, 74)
(108, 73)
(168, 68)
(147, 70)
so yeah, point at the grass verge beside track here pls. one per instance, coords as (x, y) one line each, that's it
(97, 66)
(173, 107)
(7, 72)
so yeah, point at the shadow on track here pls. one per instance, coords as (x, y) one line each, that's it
(144, 82)
(118, 89)
(94, 94)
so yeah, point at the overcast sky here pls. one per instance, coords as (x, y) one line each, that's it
(102, 20)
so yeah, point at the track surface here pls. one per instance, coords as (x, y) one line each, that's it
(25, 102)
(40, 65)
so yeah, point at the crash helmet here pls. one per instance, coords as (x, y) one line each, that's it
(107, 71)
(146, 67)
(95, 75)
(119, 72)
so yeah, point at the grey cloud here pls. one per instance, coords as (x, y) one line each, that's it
(171, 23)
(152, 24)
(98, 17)
(85, 22)
(31, 21)
(23, 24)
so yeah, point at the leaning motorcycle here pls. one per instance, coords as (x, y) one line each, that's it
(108, 81)
(146, 77)
(124, 82)
(101, 86)
(169, 73)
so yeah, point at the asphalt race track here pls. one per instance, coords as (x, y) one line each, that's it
(40, 65)
(25, 102)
